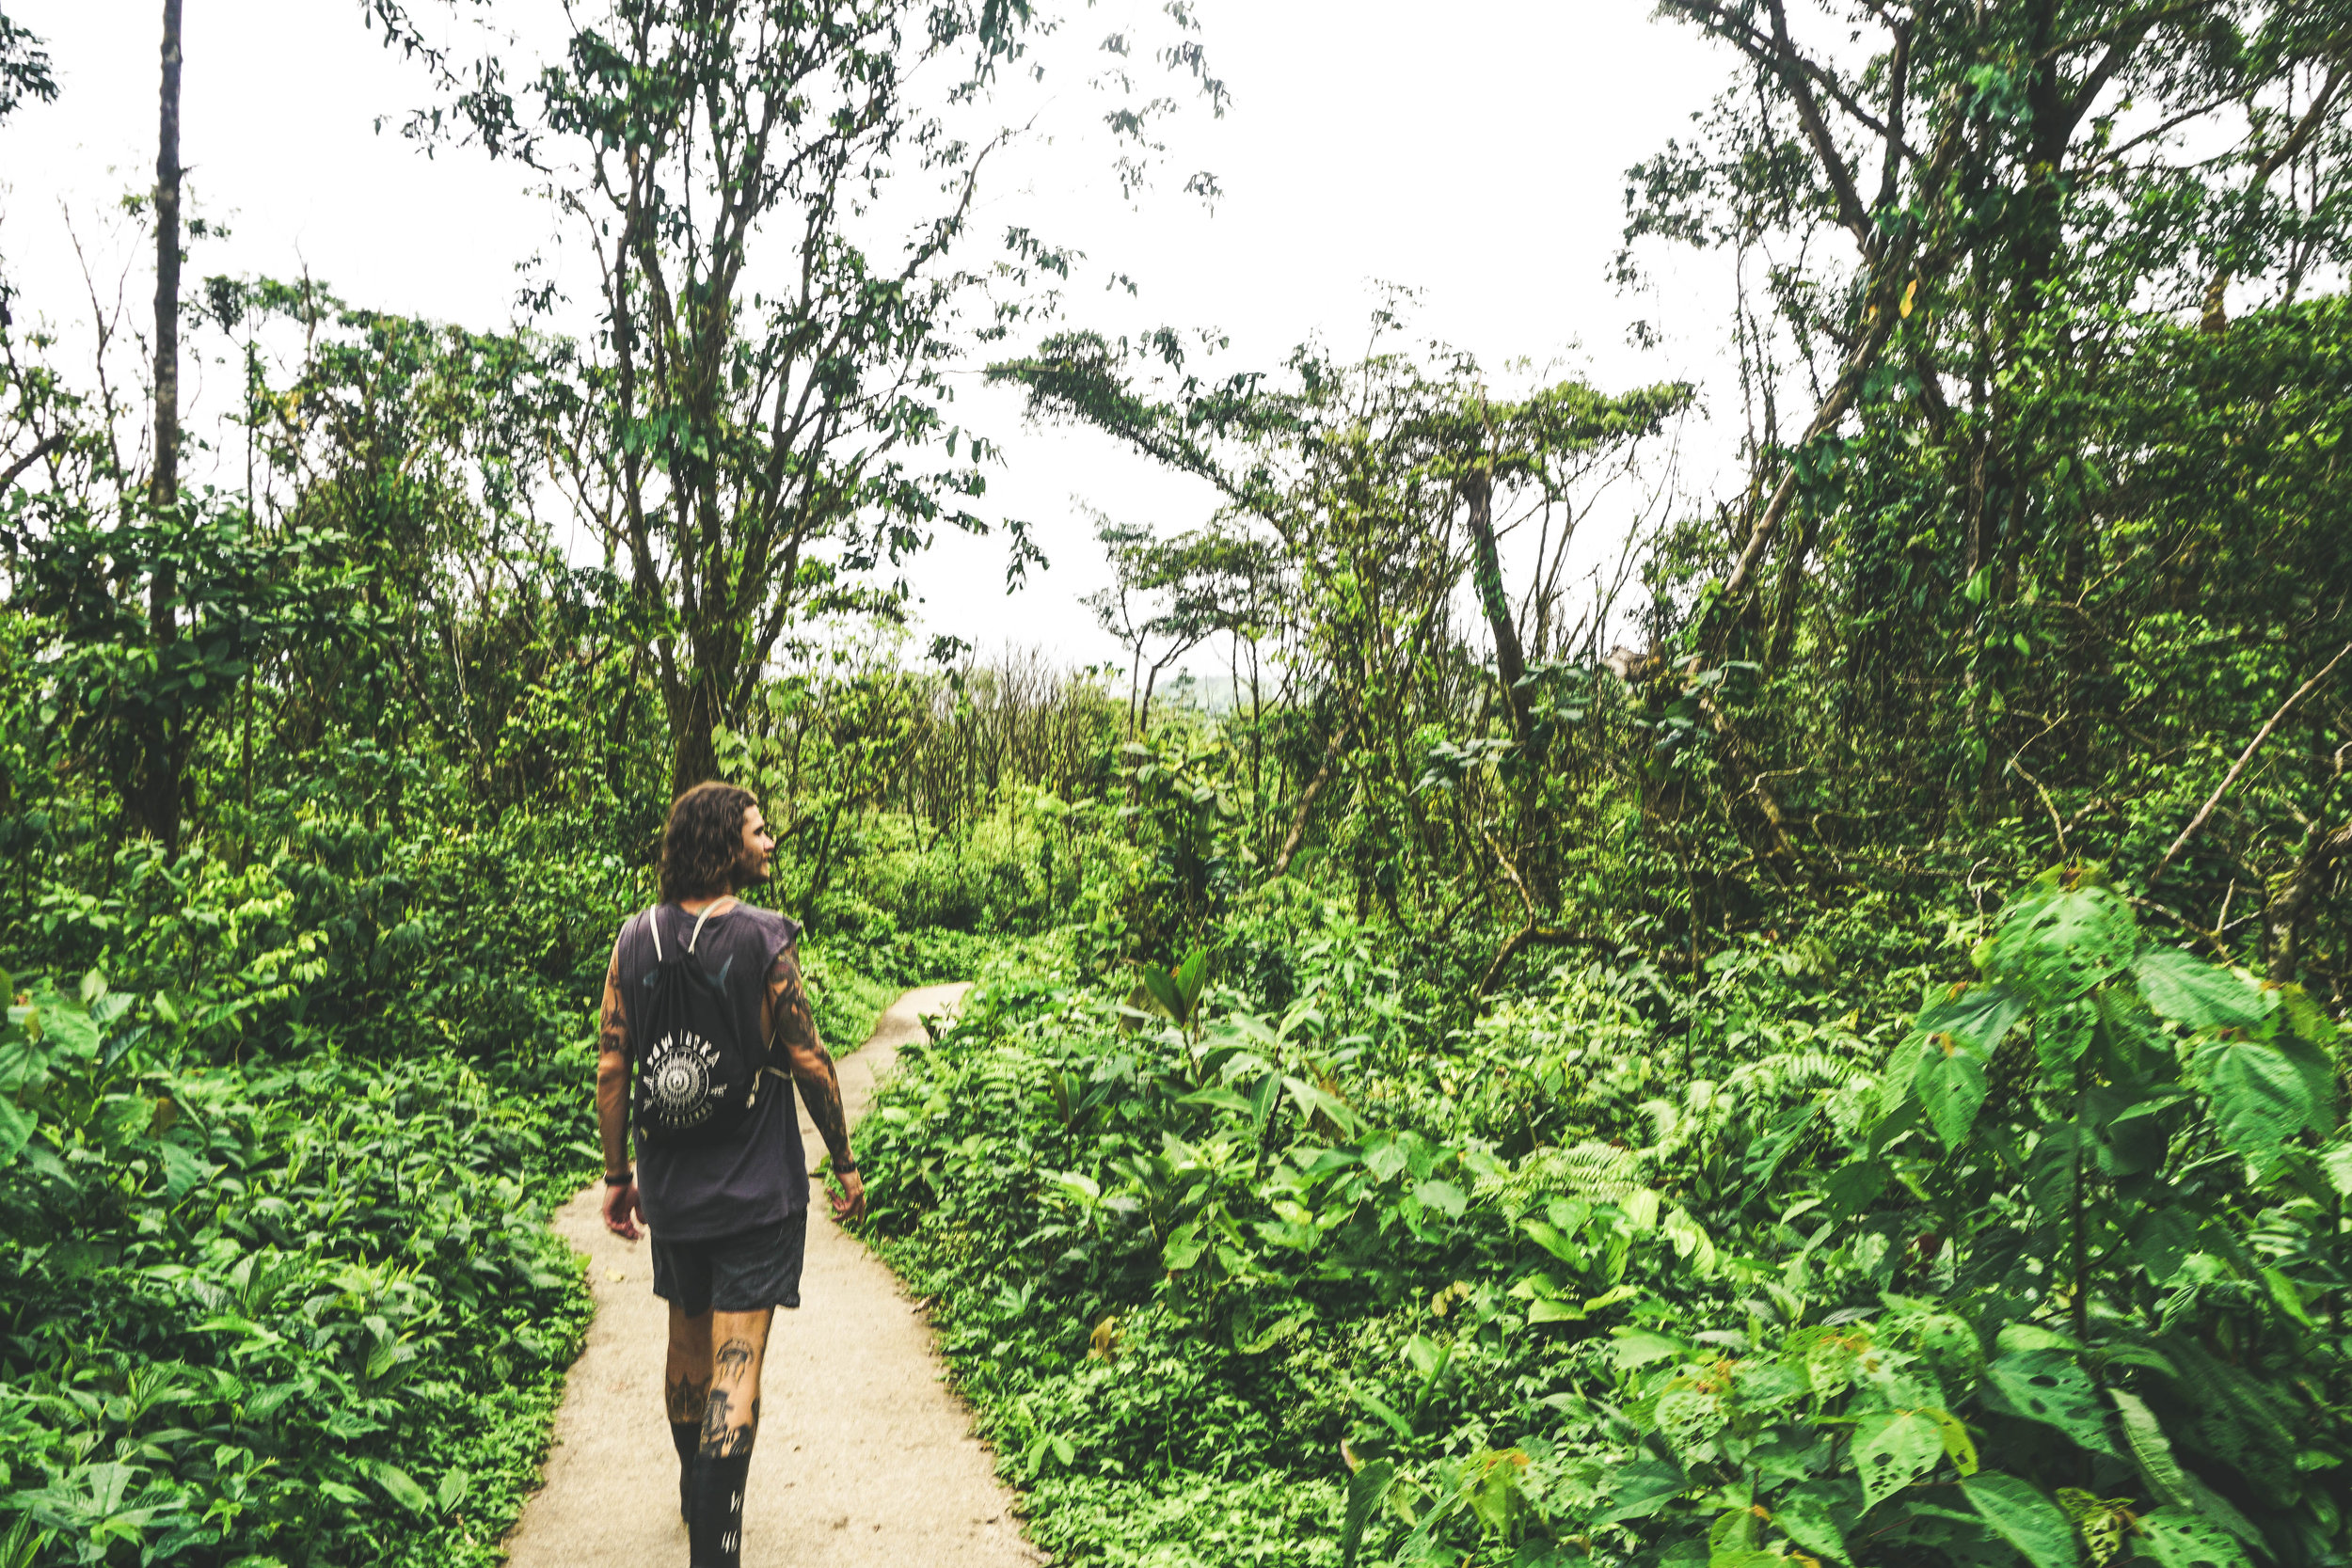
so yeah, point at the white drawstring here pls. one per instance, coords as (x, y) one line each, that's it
(652, 919)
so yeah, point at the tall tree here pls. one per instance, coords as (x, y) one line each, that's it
(1957, 206)
(770, 378)
(1179, 592)
(152, 803)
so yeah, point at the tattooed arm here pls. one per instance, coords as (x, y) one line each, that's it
(794, 1031)
(621, 1213)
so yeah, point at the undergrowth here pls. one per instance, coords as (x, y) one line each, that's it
(297, 1313)
(1912, 1261)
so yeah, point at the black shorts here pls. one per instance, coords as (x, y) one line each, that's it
(743, 1273)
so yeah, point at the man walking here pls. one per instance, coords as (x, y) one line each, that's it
(729, 1213)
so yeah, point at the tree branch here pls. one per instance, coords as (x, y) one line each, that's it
(47, 445)
(1307, 803)
(2239, 767)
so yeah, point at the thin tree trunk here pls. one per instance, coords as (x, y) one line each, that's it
(2243, 758)
(165, 486)
(1486, 568)
(2284, 919)
(1298, 834)
(154, 803)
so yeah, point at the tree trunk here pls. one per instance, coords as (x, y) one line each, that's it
(1486, 568)
(1298, 834)
(152, 803)
(693, 717)
(2284, 919)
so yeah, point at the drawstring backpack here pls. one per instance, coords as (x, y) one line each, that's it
(693, 1082)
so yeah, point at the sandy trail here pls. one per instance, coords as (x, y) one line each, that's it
(864, 1457)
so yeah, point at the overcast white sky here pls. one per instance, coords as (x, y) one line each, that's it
(1475, 151)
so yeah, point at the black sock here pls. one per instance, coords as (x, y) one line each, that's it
(685, 1436)
(714, 1516)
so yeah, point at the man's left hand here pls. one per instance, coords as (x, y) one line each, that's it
(622, 1212)
(850, 1202)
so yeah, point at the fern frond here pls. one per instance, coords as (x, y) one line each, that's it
(1787, 1073)
(1599, 1172)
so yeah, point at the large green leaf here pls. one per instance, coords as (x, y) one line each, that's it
(1731, 1542)
(2180, 1539)
(68, 1031)
(1980, 1014)
(2022, 1516)
(2048, 1386)
(2167, 1483)
(2196, 994)
(1641, 1489)
(1190, 977)
(2261, 1095)
(21, 1063)
(2064, 937)
(2305, 1017)
(1892, 1449)
(2318, 1068)
(1638, 1347)
(1809, 1517)
(1161, 984)
(1951, 1086)
(403, 1487)
(2152, 1453)
(1184, 1247)
(1554, 1240)
(16, 1129)
(184, 1169)
(2336, 1160)
(1443, 1197)
(1365, 1489)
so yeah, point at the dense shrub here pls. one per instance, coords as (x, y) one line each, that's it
(1632, 1273)
(278, 1312)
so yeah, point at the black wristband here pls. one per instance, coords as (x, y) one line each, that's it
(621, 1181)
(849, 1169)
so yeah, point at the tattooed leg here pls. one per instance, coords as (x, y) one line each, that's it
(686, 1398)
(731, 1409)
(686, 1380)
(686, 1395)
(714, 1516)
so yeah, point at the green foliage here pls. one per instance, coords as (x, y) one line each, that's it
(275, 1312)
(1785, 1311)
(24, 73)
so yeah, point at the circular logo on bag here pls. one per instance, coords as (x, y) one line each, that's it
(677, 1080)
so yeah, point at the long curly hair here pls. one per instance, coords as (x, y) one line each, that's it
(703, 841)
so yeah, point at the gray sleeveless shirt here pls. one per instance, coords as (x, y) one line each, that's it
(759, 1176)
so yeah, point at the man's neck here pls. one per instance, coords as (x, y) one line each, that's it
(715, 903)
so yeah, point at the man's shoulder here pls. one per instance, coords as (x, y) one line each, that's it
(781, 931)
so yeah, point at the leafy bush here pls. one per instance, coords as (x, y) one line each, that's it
(2121, 1169)
(2062, 1279)
(277, 1313)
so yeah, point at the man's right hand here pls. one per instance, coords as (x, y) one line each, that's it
(622, 1213)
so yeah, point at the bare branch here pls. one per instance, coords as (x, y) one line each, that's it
(2198, 822)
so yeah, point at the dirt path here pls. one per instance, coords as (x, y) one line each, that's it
(864, 1457)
